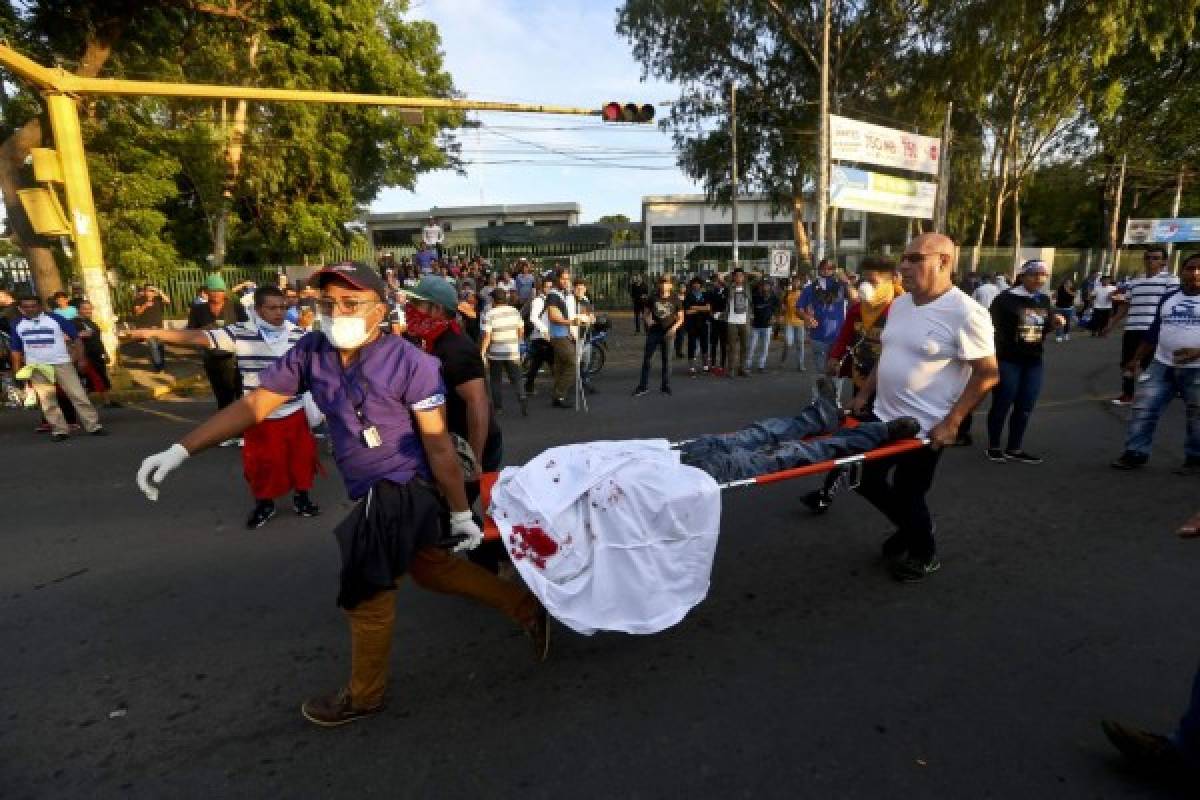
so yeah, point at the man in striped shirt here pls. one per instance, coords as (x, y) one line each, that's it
(1138, 310)
(280, 453)
(501, 348)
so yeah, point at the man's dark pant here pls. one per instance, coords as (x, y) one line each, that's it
(223, 376)
(902, 498)
(1187, 737)
(1129, 345)
(540, 352)
(718, 332)
(656, 339)
(157, 357)
(1018, 390)
(564, 366)
(637, 318)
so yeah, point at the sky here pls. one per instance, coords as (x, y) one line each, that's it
(563, 52)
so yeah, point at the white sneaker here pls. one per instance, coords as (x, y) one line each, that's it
(1058, 338)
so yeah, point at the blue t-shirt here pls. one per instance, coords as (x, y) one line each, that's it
(389, 380)
(424, 261)
(524, 286)
(829, 307)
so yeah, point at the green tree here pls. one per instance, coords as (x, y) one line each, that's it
(770, 49)
(275, 181)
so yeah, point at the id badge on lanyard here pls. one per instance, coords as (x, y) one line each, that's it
(368, 434)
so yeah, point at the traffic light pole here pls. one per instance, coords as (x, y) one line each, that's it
(81, 211)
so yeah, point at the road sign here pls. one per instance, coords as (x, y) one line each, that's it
(781, 263)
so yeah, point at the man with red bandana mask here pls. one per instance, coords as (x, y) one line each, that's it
(432, 323)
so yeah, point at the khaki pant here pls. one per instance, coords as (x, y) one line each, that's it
(68, 380)
(371, 621)
(564, 366)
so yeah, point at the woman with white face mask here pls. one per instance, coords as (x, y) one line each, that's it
(382, 398)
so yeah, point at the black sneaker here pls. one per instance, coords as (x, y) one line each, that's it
(1149, 752)
(304, 506)
(914, 570)
(1190, 467)
(639, 391)
(903, 428)
(59, 437)
(964, 440)
(1128, 460)
(1021, 457)
(559, 403)
(261, 514)
(995, 454)
(99, 432)
(893, 548)
(817, 501)
(666, 390)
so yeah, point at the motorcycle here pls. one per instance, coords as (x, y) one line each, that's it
(595, 348)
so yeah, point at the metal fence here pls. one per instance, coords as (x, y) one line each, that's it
(182, 285)
(15, 275)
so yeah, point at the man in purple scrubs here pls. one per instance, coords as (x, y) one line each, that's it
(383, 400)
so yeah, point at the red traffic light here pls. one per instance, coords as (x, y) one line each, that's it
(630, 112)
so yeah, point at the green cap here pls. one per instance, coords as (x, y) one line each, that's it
(436, 290)
(215, 283)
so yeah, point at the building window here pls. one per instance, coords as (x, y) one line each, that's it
(774, 231)
(721, 232)
(672, 234)
(851, 230)
(395, 237)
(541, 223)
(492, 223)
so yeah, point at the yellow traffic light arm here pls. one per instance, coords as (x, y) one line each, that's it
(59, 80)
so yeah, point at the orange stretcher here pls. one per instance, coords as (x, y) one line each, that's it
(488, 479)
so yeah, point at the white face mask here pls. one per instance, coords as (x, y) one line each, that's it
(344, 333)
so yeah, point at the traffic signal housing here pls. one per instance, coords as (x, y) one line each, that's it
(629, 112)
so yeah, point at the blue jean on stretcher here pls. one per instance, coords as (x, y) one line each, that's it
(775, 444)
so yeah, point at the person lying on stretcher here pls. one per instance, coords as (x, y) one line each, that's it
(780, 443)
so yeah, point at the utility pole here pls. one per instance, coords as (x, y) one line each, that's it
(733, 171)
(943, 190)
(1172, 256)
(823, 139)
(1114, 224)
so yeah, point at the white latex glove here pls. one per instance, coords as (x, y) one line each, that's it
(157, 467)
(463, 527)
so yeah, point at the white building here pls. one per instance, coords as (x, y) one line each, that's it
(398, 228)
(691, 219)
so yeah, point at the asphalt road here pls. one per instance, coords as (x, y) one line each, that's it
(160, 650)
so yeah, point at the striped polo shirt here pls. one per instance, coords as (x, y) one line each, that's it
(1144, 297)
(503, 323)
(255, 352)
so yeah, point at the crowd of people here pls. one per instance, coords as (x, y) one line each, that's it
(406, 380)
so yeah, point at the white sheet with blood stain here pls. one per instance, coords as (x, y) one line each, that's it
(615, 536)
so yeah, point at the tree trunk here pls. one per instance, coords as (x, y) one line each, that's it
(1006, 158)
(799, 232)
(1016, 231)
(15, 150)
(233, 162)
(46, 278)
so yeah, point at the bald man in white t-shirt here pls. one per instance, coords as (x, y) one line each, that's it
(938, 363)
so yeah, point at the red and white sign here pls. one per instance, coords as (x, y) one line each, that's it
(864, 143)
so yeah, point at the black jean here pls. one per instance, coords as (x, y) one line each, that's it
(499, 368)
(718, 334)
(901, 497)
(223, 376)
(540, 352)
(656, 339)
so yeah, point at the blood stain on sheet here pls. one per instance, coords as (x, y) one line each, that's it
(533, 543)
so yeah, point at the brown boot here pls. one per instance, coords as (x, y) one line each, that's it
(335, 709)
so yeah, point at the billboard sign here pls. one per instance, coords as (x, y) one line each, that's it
(864, 143)
(882, 194)
(1162, 231)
